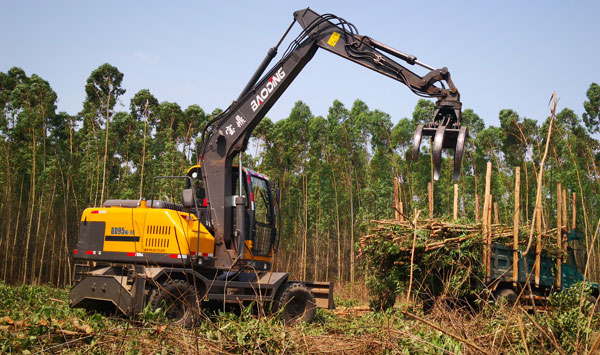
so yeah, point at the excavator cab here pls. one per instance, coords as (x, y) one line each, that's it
(260, 218)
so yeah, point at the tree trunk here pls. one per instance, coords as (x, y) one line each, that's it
(107, 117)
(9, 198)
(144, 149)
(31, 211)
(41, 267)
(14, 242)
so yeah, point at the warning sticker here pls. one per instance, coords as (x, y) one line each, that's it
(333, 39)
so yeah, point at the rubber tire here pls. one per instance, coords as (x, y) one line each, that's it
(296, 304)
(508, 295)
(535, 294)
(178, 298)
(592, 299)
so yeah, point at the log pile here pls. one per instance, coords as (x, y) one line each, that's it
(435, 234)
(438, 252)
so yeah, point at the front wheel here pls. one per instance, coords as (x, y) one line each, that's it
(177, 298)
(297, 304)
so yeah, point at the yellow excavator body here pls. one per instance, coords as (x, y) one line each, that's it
(144, 230)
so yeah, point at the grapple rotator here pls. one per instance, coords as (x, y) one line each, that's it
(445, 132)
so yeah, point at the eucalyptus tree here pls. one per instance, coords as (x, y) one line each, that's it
(591, 116)
(103, 89)
(64, 214)
(144, 109)
(380, 188)
(128, 132)
(31, 104)
(191, 125)
(470, 172)
(167, 159)
(335, 155)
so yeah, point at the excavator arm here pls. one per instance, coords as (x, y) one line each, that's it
(227, 135)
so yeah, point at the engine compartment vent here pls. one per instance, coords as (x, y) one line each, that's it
(162, 243)
(158, 230)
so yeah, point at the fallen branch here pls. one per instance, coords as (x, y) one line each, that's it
(459, 338)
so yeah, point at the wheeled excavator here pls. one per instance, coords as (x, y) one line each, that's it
(218, 244)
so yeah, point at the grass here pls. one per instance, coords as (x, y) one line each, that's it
(38, 319)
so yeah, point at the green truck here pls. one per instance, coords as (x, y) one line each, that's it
(501, 275)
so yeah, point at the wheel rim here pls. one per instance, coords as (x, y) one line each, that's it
(296, 307)
(175, 308)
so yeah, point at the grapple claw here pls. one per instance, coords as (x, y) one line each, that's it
(451, 137)
(438, 143)
(417, 142)
(463, 133)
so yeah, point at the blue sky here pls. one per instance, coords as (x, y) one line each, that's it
(502, 54)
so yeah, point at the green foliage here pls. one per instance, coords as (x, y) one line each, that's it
(591, 117)
(386, 257)
(247, 333)
(38, 319)
(570, 316)
(37, 316)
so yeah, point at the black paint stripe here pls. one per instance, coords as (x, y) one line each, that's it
(121, 238)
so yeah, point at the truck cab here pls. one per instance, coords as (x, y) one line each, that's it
(572, 271)
(573, 268)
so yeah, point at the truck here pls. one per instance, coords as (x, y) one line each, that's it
(219, 241)
(523, 288)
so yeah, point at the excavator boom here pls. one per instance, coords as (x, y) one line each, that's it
(228, 135)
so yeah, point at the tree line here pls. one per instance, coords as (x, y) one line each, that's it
(336, 172)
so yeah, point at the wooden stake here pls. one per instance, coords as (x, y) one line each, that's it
(396, 200)
(516, 220)
(574, 207)
(565, 220)
(488, 183)
(538, 199)
(565, 215)
(412, 255)
(400, 204)
(484, 220)
(455, 210)
(476, 208)
(430, 197)
(401, 212)
(559, 223)
(489, 237)
(538, 246)
(496, 219)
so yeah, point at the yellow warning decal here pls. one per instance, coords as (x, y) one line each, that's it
(333, 39)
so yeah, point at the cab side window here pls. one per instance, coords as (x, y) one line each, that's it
(262, 207)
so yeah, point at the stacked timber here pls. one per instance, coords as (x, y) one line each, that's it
(434, 256)
(433, 234)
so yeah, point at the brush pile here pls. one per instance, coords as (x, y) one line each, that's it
(447, 258)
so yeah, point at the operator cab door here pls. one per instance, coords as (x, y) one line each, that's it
(197, 184)
(264, 231)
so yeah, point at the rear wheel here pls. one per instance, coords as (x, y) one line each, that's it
(507, 295)
(534, 300)
(177, 298)
(592, 299)
(297, 304)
